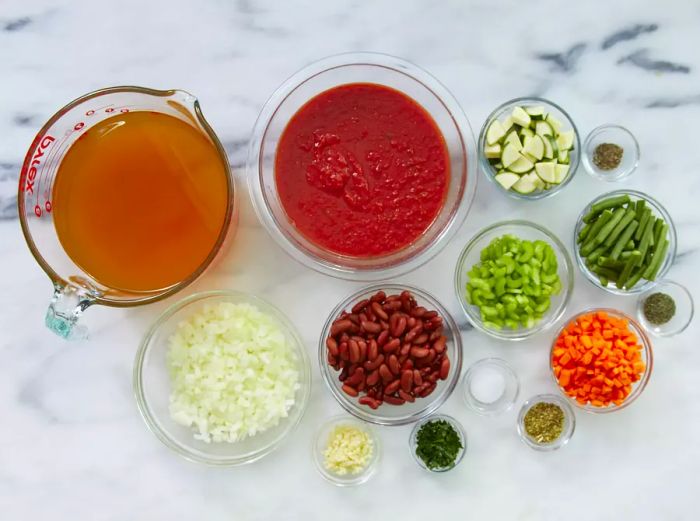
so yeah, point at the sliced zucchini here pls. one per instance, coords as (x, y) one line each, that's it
(561, 171)
(564, 157)
(521, 165)
(542, 128)
(525, 185)
(555, 147)
(526, 132)
(521, 117)
(534, 147)
(536, 112)
(565, 140)
(554, 123)
(507, 123)
(507, 179)
(498, 165)
(509, 155)
(494, 133)
(548, 151)
(537, 181)
(546, 172)
(493, 151)
(513, 139)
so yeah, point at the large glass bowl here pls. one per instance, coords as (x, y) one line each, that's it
(152, 386)
(659, 211)
(362, 68)
(647, 358)
(500, 113)
(408, 412)
(524, 230)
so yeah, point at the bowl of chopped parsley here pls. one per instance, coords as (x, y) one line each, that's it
(438, 443)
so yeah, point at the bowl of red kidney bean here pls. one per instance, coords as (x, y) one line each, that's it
(390, 354)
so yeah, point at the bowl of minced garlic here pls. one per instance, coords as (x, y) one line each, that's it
(346, 451)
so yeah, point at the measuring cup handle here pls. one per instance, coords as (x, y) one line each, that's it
(66, 306)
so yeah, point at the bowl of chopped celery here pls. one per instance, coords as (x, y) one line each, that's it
(222, 378)
(529, 147)
(624, 242)
(514, 279)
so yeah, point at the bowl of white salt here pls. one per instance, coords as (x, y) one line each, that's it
(490, 386)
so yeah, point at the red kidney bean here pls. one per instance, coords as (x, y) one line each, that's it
(429, 314)
(363, 350)
(349, 390)
(378, 311)
(405, 302)
(374, 364)
(393, 400)
(407, 380)
(352, 317)
(433, 377)
(392, 387)
(332, 346)
(392, 345)
(419, 352)
(420, 339)
(391, 306)
(444, 368)
(354, 351)
(362, 304)
(372, 350)
(372, 378)
(417, 378)
(332, 361)
(384, 324)
(407, 365)
(356, 376)
(405, 349)
(418, 311)
(340, 326)
(371, 402)
(427, 391)
(411, 322)
(379, 296)
(386, 374)
(431, 357)
(406, 396)
(382, 338)
(394, 365)
(343, 350)
(371, 327)
(439, 344)
(413, 333)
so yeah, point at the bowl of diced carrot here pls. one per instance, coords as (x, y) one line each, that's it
(601, 360)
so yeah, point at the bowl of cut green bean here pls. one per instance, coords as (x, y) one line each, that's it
(514, 279)
(624, 241)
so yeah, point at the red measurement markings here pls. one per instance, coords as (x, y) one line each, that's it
(44, 144)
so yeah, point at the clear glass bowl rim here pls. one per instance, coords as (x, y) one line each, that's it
(401, 66)
(638, 387)
(162, 435)
(486, 166)
(520, 334)
(432, 403)
(670, 255)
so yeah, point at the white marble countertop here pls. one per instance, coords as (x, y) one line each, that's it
(72, 444)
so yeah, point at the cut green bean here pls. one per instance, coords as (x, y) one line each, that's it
(619, 228)
(642, 224)
(584, 232)
(634, 278)
(657, 260)
(640, 207)
(607, 262)
(606, 272)
(627, 270)
(622, 241)
(612, 202)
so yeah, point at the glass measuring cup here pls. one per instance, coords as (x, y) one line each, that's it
(74, 289)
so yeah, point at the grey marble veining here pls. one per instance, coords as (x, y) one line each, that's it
(72, 445)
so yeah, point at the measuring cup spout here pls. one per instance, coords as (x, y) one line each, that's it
(66, 306)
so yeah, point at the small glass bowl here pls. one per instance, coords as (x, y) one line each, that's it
(684, 309)
(379, 69)
(408, 412)
(567, 124)
(524, 230)
(413, 441)
(152, 386)
(511, 386)
(569, 422)
(659, 211)
(647, 358)
(617, 135)
(320, 443)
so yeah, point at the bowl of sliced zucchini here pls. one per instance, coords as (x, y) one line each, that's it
(529, 147)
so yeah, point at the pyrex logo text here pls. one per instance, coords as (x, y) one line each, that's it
(36, 161)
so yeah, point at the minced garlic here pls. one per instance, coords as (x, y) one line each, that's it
(348, 451)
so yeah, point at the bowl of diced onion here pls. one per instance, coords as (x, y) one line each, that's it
(222, 378)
